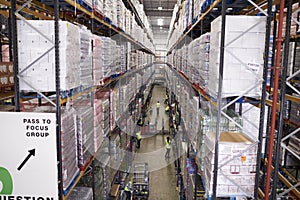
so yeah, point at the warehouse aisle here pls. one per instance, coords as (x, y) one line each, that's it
(162, 171)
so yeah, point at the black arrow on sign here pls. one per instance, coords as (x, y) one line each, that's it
(31, 153)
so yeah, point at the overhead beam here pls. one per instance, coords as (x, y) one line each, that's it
(166, 13)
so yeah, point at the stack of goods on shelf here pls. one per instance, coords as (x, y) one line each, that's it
(5, 53)
(97, 59)
(69, 146)
(86, 68)
(133, 61)
(81, 193)
(128, 21)
(6, 75)
(193, 120)
(173, 31)
(187, 13)
(118, 59)
(115, 101)
(197, 8)
(238, 165)
(295, 113)
(193, 60)
(31, 45)
(122, 58)
(85, 132)
(98, 129)
(203, 116)
(104, 97)
(204, 48)
(114, 18)
(107, 9)
(120, 14)
(98, 6)
(243, 63)
(108, 56)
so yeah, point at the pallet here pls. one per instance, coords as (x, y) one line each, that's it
(85, 5)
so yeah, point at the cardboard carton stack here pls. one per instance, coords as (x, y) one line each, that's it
(86, 66)
(81, 193)
(204, 48)
(98, 6)
(69, 146)
(6, 74)
(239, 165)
(31, 45)
(243, 62)
(85, 134)
(97, 59)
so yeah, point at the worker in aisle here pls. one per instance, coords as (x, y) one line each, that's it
(139, 139)
(157, 108)
(127, 190)
(168, 147)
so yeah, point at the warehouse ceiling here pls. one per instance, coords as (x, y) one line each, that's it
(160, 14)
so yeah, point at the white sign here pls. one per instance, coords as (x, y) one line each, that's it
(254, 67)
(28, 159)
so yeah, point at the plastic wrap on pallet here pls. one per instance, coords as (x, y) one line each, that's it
(243, 61)
(32, 45)
(68, 142)
(97, 58)
(85, 134)
(98, 130)
(240, 170)
(5, 53)
(98, 6)
(86, 66)
(81, 193)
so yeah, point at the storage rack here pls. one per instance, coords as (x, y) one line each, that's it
(199, 26)
(80, 13)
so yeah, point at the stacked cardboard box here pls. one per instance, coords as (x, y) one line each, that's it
(6, 74)
(120, 14)
(98, 129)
(108, 56)
(32, 45)
(107, 8)
(237, 175)
(69, 146)
(97, 59)
(81, 193)
(5, 53)
(86, 66)
(243, 58)
(85, 134)
(197, 7)
(98, 6)
(204, 48)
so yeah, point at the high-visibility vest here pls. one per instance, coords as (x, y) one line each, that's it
(158, 105)
(139, 137)
(126, 189)
(167, 108)
(168, 145)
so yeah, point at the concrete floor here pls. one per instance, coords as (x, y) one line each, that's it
(152, 151)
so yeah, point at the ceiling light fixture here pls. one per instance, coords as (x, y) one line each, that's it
(160, 22)
(159, 8)
(160, 28)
